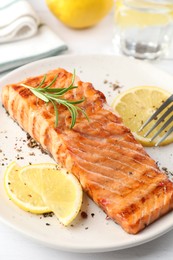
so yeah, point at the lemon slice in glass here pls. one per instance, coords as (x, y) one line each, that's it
(20, 193)
(136, 105)
(142, 13)
(60, 190)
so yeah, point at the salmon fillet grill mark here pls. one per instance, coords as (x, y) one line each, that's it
(112, 167)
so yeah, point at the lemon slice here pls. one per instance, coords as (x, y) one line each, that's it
(60, 191)
(20, 194)
(136, 105)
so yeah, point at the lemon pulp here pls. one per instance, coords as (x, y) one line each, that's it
(60, 191)
(136, 105)
(20, 193)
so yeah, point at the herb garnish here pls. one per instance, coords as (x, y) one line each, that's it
(54, 95)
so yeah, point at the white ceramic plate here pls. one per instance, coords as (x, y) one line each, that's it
(95, 233)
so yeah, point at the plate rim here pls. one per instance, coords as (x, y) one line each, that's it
(74, 55)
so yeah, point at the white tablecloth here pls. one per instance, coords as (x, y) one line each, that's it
(14, 246)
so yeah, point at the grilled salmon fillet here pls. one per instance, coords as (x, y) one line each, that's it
(112, 167)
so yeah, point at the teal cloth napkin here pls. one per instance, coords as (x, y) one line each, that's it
(23, 38)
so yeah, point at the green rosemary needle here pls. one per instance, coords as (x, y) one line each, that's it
(55, 96)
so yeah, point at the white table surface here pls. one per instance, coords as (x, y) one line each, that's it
(17, 247)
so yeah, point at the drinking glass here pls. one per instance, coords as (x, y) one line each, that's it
(144, 28)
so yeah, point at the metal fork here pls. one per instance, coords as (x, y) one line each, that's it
(167, 123)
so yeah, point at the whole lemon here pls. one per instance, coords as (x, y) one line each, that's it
(80, 13)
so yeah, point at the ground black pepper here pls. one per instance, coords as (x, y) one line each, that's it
(168, 173)
(48, 214)
(33, 144)
(84, 214)
(114, 85)
(31, 154)
(19, 150)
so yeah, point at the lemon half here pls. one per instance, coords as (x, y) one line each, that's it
(80, 13)
(136, 105)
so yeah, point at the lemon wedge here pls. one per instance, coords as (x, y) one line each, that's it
(60, 190)
(136, 105)
(24, 197)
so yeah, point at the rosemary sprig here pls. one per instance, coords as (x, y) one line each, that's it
(55, 96)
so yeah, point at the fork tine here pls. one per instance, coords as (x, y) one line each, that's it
(162, 128)
(159, 121)
(165, 104)
(165, 136)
